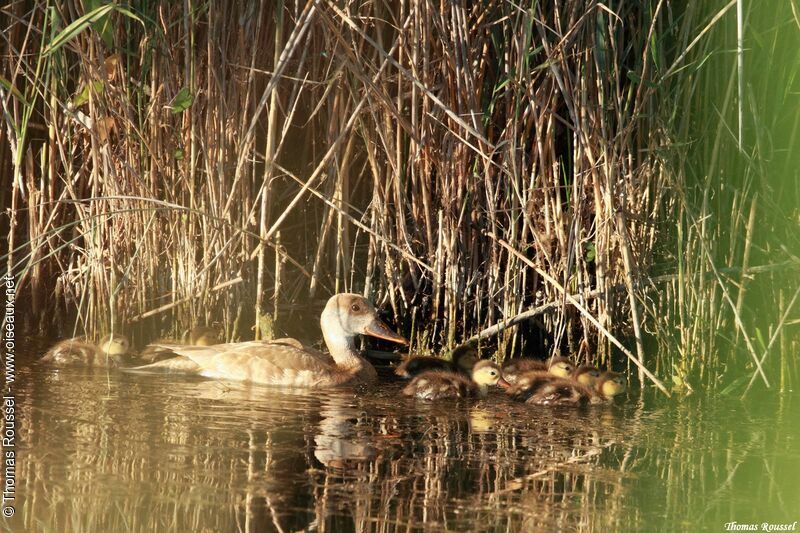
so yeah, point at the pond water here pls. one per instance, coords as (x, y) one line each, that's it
(102, 451)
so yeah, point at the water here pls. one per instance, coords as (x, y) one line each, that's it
(104, 451)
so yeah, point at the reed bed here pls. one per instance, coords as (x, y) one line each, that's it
(165, 165)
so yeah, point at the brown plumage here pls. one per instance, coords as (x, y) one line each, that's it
(543, 389)
(437, 384)
(197, 336)
(462, 360)
(287, 362)
(78, 351)
(556, 366)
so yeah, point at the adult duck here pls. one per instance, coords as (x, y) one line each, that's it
(288, 362)
(462, 360)
(543, 389)
(197, 336)
(79, 351)
(436, 385)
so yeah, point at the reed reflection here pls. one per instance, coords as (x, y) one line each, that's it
(131, 452)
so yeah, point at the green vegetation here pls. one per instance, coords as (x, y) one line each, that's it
(166, 164)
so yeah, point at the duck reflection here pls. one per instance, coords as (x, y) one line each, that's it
(225, 456)
(338, 444)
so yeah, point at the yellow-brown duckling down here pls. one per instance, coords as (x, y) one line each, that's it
(587, 375)
(542, 389)
(203, 336)
(556, 366)
(462, 360)
(437, 385)
(78, 351)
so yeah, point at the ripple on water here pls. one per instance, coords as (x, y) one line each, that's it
(142, 452)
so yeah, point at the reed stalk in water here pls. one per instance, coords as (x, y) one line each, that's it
(151, 155)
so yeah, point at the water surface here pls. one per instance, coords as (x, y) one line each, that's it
(102, 451)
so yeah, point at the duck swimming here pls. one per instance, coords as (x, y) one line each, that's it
(556, 366)
(197, 336)
(463, 358)
(436, 385)
(542, 389)
(79, 351)
(287, 362)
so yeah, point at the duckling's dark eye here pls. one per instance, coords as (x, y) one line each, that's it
(492, 373)
(355, 308)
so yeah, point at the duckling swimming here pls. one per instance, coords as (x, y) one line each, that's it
(541, 389)
(436, 384)
(586, 375)
(78, 351)
(556, 366)
(463, 359)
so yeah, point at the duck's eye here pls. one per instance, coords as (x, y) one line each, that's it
(492, 373)
(355, 308)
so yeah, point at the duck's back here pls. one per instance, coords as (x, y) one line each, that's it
(415, 366)
(540, 388)
(76, 351)
(285, 362)
(514, 368)
(435, 385)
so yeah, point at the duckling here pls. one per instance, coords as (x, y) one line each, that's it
(556, 366)
(78, 351)
(464, 358)
(202, 336)
(541, 389)
(197, 336)
(586, 375)
(437, 384)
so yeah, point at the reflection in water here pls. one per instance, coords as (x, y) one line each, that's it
(117, 452)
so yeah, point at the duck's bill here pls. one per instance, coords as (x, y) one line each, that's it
(378, 329)
(503, 383)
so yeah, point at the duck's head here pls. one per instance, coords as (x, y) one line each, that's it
(486, 373)
(465, 357)
(561, 367)
(587, 375)
(203, 336)
(609, 384)
(347, 315)
(115, 344)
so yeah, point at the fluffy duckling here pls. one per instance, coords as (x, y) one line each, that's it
(78, 351)
(463, 360)
(436, 384)
(556, 366)
(202, 336)
(197, 336)
(586, 375)
(542, 389)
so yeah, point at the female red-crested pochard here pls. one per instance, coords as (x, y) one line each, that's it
(197, 336)
(288, 362)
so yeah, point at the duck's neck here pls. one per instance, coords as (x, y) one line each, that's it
(483, 390)
(343, 349)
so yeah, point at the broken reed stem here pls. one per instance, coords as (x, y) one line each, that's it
(585, 313)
